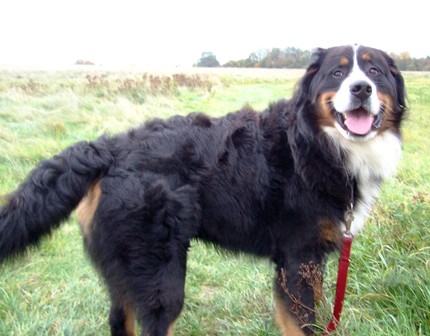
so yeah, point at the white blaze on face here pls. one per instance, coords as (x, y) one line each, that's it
(344, 102)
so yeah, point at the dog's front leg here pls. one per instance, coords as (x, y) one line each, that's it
(294, 288)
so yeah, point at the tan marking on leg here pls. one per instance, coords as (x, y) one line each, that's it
(319, 297)
(170, 331)
(130, 320)
(87, 208)
(285, 321)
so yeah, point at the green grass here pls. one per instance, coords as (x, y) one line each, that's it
(53, 290)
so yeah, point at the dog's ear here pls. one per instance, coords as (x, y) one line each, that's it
(400, 83)
(304, 86)
(298, 105)
(316, 60)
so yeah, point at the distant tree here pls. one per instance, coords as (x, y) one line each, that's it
(425, 63)
(253, 60)
(234, 64)
(404, 61)
(208, 60)
(257, 56)
(83, 62)
(296, 58)
(275, 58)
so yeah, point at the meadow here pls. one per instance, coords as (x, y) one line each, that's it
(53, 290)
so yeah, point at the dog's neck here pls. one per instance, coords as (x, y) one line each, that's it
(369, 162)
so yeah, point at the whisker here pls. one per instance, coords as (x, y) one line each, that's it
(330, 103)
(385, 107)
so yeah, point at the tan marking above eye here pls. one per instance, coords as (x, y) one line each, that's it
(366, 57)
(343, 60)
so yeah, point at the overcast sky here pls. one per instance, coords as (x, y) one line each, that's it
(176, 32)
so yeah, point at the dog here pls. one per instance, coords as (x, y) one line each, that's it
(275, 184)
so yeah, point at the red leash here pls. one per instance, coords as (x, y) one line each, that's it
(342, 275)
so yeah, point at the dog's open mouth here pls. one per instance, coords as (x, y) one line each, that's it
(359, 122)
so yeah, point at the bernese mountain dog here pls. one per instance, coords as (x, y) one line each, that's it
(275, 183)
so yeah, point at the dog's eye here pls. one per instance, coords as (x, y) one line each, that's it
(373, 71)
(338, 74)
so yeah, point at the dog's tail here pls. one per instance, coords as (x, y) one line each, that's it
(49, 194)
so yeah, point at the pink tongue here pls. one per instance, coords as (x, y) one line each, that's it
(359, 121)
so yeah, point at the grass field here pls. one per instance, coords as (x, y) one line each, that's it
(53, 290)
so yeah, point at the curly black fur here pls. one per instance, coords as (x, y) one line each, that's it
(49, 194)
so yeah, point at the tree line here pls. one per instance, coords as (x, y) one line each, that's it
(295, 58)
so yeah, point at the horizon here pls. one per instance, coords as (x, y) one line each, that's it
(84, 63)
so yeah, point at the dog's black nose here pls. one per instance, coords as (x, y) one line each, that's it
(361, 89)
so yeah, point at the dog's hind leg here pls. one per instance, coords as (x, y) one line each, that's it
(145, 253)
(139, 242)
(155, 301)
(122, 319)
(160, 301)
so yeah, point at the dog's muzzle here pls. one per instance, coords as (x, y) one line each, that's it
(359, 119)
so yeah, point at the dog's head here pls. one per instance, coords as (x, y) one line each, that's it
(354, 91)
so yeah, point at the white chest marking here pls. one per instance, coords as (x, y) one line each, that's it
(369, 162)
